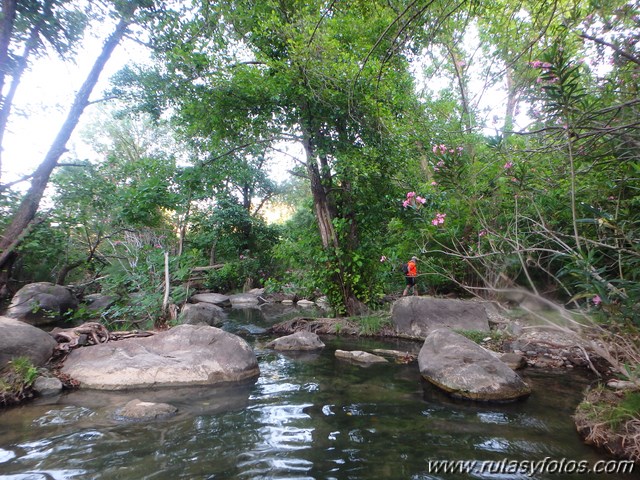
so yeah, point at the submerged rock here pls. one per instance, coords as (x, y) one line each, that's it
(297, 341)
(464, 369)
(360, 357)
(139, 410)
(184, 355)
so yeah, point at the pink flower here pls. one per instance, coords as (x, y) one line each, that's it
(383, 258)
(482, 233)
(434, 184)
(611, 197)
(411, 194)
(508, 165)
(596, 300)
(406, 203)
(439, 219)
(420, 200)
(435, 149)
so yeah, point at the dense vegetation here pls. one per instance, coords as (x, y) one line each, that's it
(496, 142)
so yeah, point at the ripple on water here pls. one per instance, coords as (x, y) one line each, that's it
(63, 416)
(6, 455)
(47, 475)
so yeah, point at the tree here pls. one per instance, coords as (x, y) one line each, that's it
(332, 78)
(26, 212)
(30, 26)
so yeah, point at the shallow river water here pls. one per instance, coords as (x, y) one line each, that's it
(307, 416)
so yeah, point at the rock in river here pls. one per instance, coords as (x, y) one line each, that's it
(184, 355)
(463, 368)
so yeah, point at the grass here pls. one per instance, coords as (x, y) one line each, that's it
(613, 410)
(481, 336)
(16, 380)
(372, 324)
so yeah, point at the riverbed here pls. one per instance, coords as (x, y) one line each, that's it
(308, 416)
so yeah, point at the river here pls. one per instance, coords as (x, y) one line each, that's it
(308, 416)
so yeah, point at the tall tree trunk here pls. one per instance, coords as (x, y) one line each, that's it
(512, 101)
(6, 29)
(27, 210)
(325, 213)
(16, 74)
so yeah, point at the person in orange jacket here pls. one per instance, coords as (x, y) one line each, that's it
(411, 274)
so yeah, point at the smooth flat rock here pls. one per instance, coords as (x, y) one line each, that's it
(215, 298)
(243, 300)
(360, 357)
(184, 355)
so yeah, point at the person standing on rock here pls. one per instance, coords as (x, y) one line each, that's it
(411, 272)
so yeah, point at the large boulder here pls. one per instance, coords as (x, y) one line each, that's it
(41, 303)
(464, 369)
(202, 313)
(417, 316)
(184, 355)
(19, 339)
(215, 298)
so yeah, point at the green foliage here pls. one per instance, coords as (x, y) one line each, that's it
(233, 275)
(25, 369)
(372, 324)
(482, 337)
(616, 414)
(16, 379)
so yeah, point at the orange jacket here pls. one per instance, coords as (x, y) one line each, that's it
(413, 271)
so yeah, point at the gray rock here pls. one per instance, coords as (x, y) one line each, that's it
(139, 410)
(240, 300)
(184, 355)
(417, 316)
(305, 303)
(360, 357)
(459, 366)
(215, 298)
(46, 386)
(41, 303)
(98, 302)
(515, 361)
(19, 339)
(202, 313)
(297, 341)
